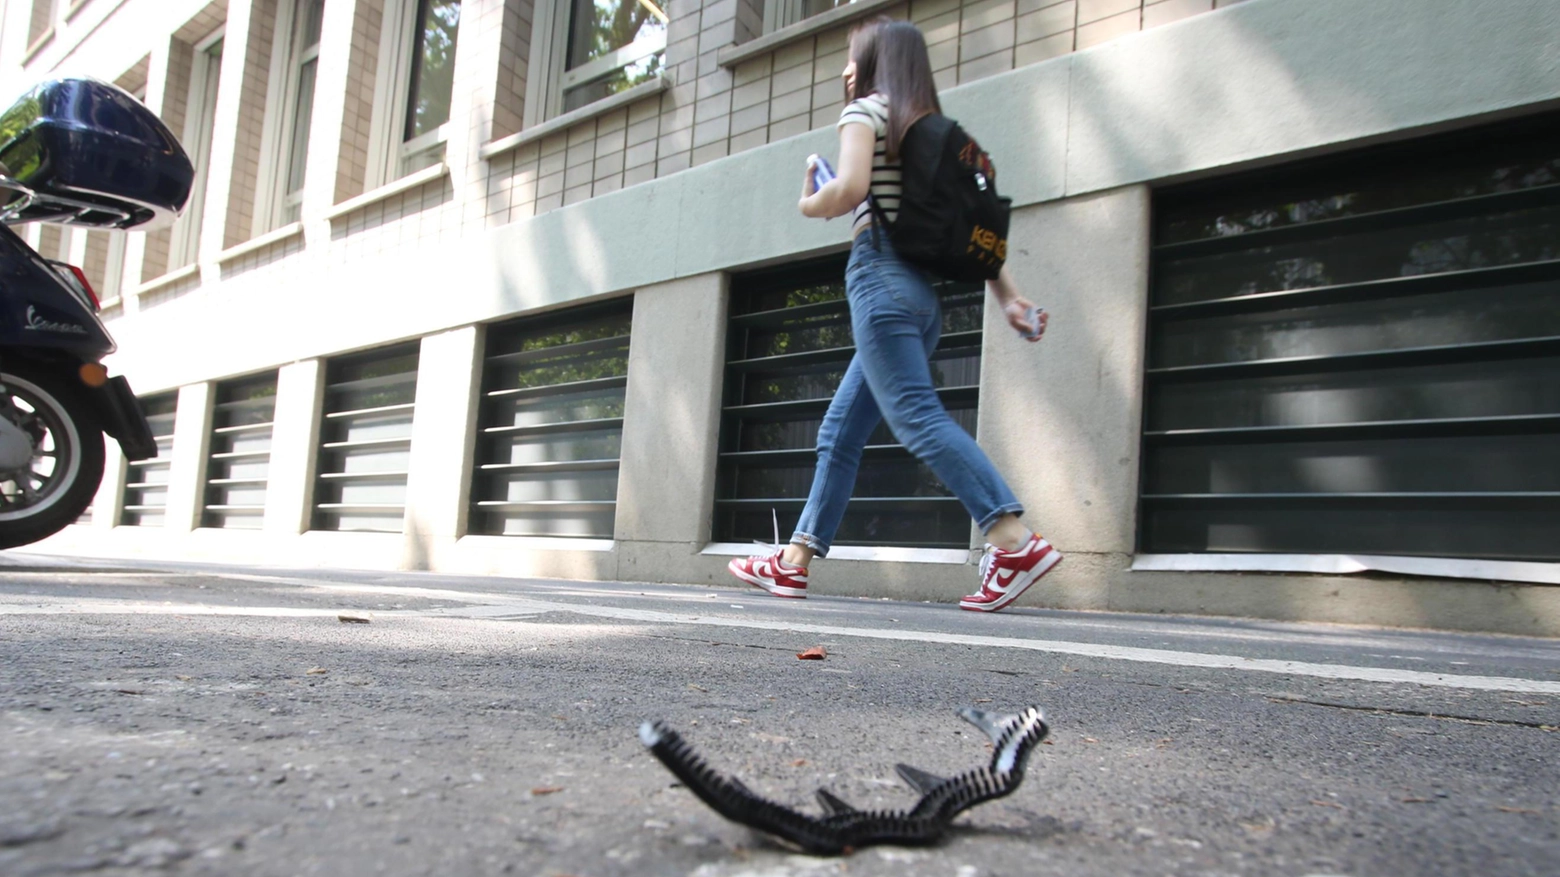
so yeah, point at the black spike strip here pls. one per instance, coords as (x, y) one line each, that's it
(844, 828)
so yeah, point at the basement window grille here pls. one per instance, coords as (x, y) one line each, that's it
(146, 481)
(238, 468)
(551, 424)
(1361, 354)
(788, 342)
(366, 440)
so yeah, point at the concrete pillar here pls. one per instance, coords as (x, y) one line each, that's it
(438, 488)
(666, 479)
(295, 432)
(479, 60)
(109, 505)
(191, 447)
(1062, 419)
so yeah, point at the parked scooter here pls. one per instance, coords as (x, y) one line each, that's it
(84, 153)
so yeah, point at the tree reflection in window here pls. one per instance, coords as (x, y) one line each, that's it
(625, 38)
(433, 66)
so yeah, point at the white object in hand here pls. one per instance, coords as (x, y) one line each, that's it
(822, 173)
(1032, 317)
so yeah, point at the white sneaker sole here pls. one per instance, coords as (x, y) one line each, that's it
(771, 587)
(1021, 583)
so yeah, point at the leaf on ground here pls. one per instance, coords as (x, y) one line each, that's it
(546, 790)
(1416, 800)
(346, 618)
(1519, 810)
(1332, 804)
(184, 678)
(1090, 740)
(315, 671)
(800, 762)
(816, 653)
(693, 687)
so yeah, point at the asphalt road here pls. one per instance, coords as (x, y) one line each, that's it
(159, 718)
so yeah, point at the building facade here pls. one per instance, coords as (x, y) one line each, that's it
(517, 287)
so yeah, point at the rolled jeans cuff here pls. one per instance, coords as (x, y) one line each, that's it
(810, 541)
(986, 523)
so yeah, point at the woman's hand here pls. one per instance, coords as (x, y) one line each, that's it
(1017, 312)
(1015, 307)
(849, 187)
(808, 189)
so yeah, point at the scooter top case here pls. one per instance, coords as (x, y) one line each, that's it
(85, 152)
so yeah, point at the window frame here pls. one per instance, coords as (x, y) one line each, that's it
(199, 132)
(272, 202)
(389, 154)
(547, 79)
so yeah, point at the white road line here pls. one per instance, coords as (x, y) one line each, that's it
(1059, 647)
(490, 606)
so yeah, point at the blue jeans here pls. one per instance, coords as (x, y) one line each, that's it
(897, 319)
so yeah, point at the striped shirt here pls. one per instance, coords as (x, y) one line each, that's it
(887, 182)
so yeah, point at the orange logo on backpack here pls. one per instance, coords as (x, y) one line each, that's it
(991, 247)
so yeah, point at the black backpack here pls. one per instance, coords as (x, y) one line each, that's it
(951, 220)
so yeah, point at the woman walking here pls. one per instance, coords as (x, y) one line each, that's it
(897, 320)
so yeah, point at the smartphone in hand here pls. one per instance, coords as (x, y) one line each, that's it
(1032, 317)
(822, 172)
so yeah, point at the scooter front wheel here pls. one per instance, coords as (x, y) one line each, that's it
(43, 496)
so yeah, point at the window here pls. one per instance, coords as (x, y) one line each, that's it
(199, 126)
(551, 424)
(239, 467)
(294, 68)
(416, 84)
(1361, 354)
(366, 440)
(146, 481)
(597, 48)
(780, 13)
(789, 340)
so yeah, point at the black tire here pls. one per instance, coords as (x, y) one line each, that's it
(71, 440)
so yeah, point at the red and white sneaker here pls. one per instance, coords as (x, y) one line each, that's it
(770, 572)
(1006, 574)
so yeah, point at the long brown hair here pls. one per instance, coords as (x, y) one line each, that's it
(890, 58)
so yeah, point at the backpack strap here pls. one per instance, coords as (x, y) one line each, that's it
(877, 214)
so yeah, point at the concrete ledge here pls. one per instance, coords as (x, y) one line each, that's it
(389, 190)
(275, 236)
(167, 279)
(38, 45)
